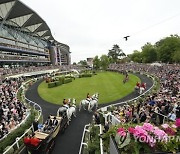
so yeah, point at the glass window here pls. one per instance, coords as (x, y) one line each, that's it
(5, 8)
(21, 20)
(32, 28)
(41, 32)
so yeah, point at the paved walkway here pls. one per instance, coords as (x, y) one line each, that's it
(69, 141)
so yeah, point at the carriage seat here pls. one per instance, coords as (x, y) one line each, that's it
(40, 135)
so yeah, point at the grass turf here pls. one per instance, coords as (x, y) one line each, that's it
(109, 85)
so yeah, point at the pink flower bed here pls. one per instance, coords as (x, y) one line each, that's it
(152, 136)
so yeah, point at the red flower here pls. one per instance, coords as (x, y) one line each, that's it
(170, 131)
(177, 123)
(131, 130)
(120, 130)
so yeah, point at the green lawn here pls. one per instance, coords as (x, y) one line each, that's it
(109, 85)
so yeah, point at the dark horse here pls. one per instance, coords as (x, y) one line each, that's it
(126, 77)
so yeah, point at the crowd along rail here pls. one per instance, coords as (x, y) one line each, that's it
(112, 118)
(35, 106)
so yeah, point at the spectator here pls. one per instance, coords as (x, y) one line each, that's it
(97, 117)
(106, 127)
(35, 124)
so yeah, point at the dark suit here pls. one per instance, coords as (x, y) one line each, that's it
(48, 122)
(55, 122)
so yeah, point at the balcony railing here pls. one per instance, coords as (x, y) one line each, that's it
(24, 49)
(16, 58)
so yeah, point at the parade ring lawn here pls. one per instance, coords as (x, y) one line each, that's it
(109, 85)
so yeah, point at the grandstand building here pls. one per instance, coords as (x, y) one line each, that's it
(26, 39)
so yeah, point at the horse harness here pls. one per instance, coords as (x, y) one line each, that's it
(73, 106)
(65, 106)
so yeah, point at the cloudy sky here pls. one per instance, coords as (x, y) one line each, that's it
(91, 27)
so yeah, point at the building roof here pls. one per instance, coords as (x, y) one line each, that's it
(18, 15)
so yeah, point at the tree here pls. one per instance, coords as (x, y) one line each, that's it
(167, 48)
(104, 61)
(96, 63)
(115, 53)
(136, 56)
(176, 57)
(82, 62)
(149, 53)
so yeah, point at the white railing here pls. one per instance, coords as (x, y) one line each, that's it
(35, 106)
(164, 117)
(83, 143)
(101, 142)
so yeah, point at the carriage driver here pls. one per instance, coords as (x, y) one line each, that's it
(88, 98)
(65, 103)
(143, 85)
(138, 84)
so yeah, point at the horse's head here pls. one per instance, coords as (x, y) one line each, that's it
(97, 95)
(94, 95)
(69, 100)
(74, 101)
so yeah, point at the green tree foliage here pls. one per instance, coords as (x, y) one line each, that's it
(167, 48)
(115, 53)
(124, 60)
(136, 56)
(83, 62)
(149, 53)
(96, 63)
(104, 61)
(176, 57)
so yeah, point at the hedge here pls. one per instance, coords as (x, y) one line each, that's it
(67, 80)
(61, 79)
(85, 75)
(58, 83)
(70, 77)
(11, 138)
(51, 84)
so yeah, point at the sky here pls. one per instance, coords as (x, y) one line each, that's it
(92, 27)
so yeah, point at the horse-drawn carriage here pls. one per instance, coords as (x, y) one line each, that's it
(45, 138)
(140, 88)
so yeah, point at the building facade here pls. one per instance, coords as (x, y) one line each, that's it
(26, 39)
(90, 62)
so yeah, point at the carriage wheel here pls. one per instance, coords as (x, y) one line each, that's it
(50, 148)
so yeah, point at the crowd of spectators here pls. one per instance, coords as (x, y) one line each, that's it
(12, 111)
(4, 72)
(157, 106)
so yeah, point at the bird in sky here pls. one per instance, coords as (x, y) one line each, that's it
(126, 38)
